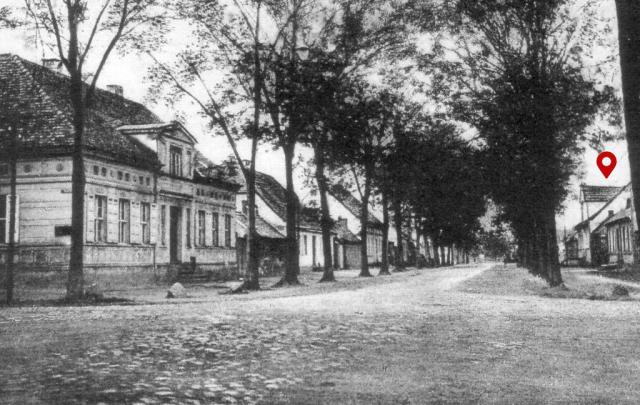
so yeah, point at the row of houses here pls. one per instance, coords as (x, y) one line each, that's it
(154, 204)
(606, 234)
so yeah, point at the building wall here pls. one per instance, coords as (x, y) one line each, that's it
(306, 249)
(44, 220)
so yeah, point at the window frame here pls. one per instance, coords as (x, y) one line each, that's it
(215, 229)
(202, 228)
(124, 221)
(145, 223)
(175, 160)
(227, 230)
(100, 234)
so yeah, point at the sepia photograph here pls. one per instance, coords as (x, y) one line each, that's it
(319, 202)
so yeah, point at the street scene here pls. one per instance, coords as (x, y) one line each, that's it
(319, 201)
(450, 335)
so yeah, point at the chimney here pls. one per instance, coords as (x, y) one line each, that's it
(610, 213)
(115, 89)
(53, 64)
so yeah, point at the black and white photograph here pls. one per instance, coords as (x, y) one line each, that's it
(319, 202)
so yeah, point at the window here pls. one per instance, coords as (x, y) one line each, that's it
(214, 229)
(148, 181)
(96, 170)
(4, 170)
(103, 172)
(141, 180)
(3, 219)
(145, 219)
(124, 216)
(227, 230)
(127, 177)
(120, 175)
(201, 228)
(163, 224)
(188, 227)
(175, 161)
(101, 219)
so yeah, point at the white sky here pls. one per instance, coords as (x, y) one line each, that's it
(130, 73)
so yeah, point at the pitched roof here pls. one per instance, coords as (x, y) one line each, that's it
(605, 206)
(264, 228)
(351, 203)
(42, 96)
(622, 215)
(598, 193)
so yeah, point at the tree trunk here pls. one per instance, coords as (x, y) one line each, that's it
(397, 217)
(325, 220)
(364, 221)
(292, 258)
(384, 265)
(629, 41)
(252, 272)
(75, 282)
(11, 248)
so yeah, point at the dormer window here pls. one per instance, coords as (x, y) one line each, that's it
(175, 162)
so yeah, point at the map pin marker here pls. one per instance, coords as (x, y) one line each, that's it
(606, 163)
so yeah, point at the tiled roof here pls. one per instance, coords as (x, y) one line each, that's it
(264, 229)
(42, 95)
(272, 192)
(622, 215)
(351, 203)
(598, 193)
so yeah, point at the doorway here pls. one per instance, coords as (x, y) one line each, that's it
(174, 234)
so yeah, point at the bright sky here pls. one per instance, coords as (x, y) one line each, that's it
(129, 71)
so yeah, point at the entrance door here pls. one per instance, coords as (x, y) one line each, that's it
(174, 234)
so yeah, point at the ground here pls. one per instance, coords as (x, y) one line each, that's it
(450, 335)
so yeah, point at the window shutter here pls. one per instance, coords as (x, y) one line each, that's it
(155, 224)
(90, 223)
(112, 220)
(233, 229)
(135, 227)
(221, 229)
(208, 222)
(7, 215)
(16, 234)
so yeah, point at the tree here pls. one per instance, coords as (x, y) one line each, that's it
(232, 43)
(356, 35)
(520, 71)
(447, 191)
(65, 23)
(361, 136)
(629, 42)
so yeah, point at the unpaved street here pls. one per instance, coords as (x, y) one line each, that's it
(415, 337)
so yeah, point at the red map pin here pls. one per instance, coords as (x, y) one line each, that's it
(606, 163)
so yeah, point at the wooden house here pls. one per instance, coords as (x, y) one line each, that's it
(148, 211)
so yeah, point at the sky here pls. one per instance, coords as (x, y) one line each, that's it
(130, 72)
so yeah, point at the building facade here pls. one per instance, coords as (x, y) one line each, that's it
(148, 211)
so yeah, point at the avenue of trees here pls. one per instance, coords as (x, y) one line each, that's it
(426, 110)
